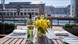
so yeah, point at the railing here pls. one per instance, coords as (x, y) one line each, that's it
(60, 21)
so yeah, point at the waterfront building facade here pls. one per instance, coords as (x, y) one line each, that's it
(60, 15)
(76, 7)
(57, 11)
(20, 11)
(73, 8)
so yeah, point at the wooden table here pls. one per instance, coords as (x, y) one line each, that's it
(66, 36)
(51, 39)
(7, 40)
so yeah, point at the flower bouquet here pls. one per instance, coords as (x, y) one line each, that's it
(42, 25)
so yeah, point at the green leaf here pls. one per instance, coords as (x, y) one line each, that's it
(40, 28)
(46, 31)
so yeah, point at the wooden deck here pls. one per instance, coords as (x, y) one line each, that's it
(7, 40)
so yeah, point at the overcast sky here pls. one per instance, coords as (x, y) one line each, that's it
(47, 2)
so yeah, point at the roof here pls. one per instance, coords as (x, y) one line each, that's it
(21, 5)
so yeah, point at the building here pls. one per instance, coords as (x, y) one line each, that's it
(49, 10)
(73, 8)
(60, 15)
(20, 11)
(76, 8)
(57, 11)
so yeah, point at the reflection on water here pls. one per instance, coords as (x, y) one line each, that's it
(16, 21)
(54, 21)
(61, 22)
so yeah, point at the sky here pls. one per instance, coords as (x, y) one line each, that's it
(47, 2)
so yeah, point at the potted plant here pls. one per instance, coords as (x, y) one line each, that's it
(1, 28)
(11, 27)
(72, 28)
(8, 28)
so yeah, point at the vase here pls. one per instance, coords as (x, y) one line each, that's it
(41, 37)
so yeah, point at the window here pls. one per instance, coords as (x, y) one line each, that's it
(25, 13)
(11, 13)
(21, 13)
(4, 13)
(32, 13)
(36, 13)
(14, 14)
(17, 13)
(29, 13)
(49, 15)
(7, 13)
(0, 13)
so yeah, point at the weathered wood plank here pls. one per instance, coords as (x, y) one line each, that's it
(3, 40)
(55, 42)
(21, 40)
(7, 42)
(60, 42)
(18, 42)
(24, 41)
(13, 42)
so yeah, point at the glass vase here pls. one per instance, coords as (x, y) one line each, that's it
(41, 37)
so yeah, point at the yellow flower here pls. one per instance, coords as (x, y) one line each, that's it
(37, 23)
(48, 22)
(44, 26)
(42, 23)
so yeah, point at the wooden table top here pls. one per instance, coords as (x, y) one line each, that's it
(8, 40)
(52, 39)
